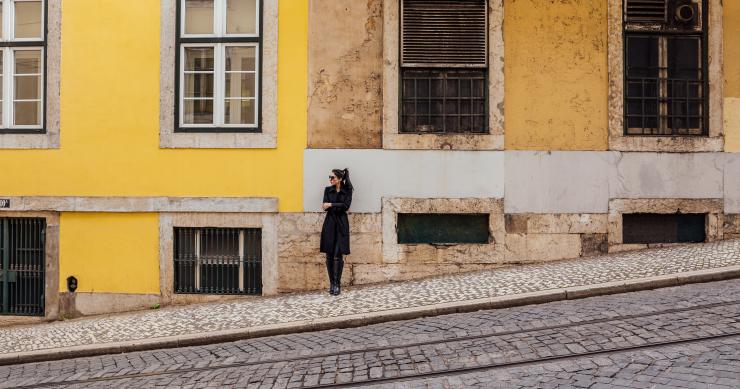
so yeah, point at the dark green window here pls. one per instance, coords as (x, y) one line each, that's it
(441, 228)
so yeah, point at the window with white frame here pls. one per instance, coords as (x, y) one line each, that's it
(22, 66)
(218, 49)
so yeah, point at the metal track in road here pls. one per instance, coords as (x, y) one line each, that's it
(448, 372)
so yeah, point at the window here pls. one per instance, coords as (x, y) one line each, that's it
(22, 65)
(441, 228)
(666, 83)
(647, 228)
(218, 60)
(218, 260)
(444, 66)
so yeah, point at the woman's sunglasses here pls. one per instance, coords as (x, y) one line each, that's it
(332, 178)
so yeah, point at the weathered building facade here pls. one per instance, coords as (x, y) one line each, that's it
(183, 160)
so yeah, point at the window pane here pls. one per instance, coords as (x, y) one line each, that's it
(198, 85)
(27, 61)
(684, 58)
(199, 16)
(27, 113)
(239, 111)
(27, 88)
(241, 16)
(239, 58)
(642, 56)
(28, 19)
(199, 59)
(240, 85)
(198, 112)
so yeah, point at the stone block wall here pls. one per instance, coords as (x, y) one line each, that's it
(732, 226)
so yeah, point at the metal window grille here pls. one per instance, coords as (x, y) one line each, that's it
(218, 260)
(444, 101)
(444, 66)
(665, 83)
(22, 259)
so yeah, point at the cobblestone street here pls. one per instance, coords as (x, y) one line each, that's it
(246, 314)
(687, 336)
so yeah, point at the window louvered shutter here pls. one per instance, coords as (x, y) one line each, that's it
(645, 11)
(444, 33)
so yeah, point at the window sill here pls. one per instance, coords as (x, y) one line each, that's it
(666, 144)
(438, 141)
(25, 138)
(218, 130)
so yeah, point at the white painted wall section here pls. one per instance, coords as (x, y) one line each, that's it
(732, 183)
(558, 182)
(669, 175)
(404, 173)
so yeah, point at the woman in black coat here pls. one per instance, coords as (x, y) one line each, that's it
(335, 232)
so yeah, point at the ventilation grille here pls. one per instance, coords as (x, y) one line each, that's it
(444, 33)
(646, 11)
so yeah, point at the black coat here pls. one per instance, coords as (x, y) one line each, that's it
(336, 223)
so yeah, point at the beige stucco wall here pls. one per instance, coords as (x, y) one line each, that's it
(345, 73)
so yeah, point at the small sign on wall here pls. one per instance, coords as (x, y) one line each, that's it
(4, 203)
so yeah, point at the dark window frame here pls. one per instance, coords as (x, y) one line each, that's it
(190, 270)
(401, 68)
(180, 40)
(663, 129)
(43, 46)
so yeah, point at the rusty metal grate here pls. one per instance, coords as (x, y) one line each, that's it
(444, 33)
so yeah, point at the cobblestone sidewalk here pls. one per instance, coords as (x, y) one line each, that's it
(204, 319)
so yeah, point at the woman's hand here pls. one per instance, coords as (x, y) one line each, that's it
(326, 206)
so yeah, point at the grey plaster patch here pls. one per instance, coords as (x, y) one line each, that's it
(664, 175)
(267, 222)
(392, 139)
(732, 183)
(617, 139)
(141, 204)
(558, 182)
(100, 303)
(265, 139)
(51, 138)
(404, 173)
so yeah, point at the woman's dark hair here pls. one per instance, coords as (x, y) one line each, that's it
(343, 175)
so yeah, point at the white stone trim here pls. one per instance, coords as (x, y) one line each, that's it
(49, 139)
(392, 139)
(268, 83)
(141, 204)
(167, 221)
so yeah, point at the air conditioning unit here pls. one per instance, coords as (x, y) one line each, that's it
(663, 15)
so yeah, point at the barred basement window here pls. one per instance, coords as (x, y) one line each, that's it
(22, 64)
(442, 228)
(666, 85)
(645, 228)
(218, 57)
(444, 66)
(22, 266)
(218, 260)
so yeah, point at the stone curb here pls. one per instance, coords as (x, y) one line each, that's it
(356, 320)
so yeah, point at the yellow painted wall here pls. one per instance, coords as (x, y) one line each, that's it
(556, 74)
(110, 117)
(110, 142)
(110, 252)
(731, 48)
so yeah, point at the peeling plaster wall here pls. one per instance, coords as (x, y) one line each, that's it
(732, 75)
(345, 74)
(556, 74)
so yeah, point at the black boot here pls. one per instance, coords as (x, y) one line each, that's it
(330, 270)
(338, 266)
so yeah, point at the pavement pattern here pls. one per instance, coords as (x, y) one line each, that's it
(406, 352)
(203, 318)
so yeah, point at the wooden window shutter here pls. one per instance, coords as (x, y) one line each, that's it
(444, 33)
